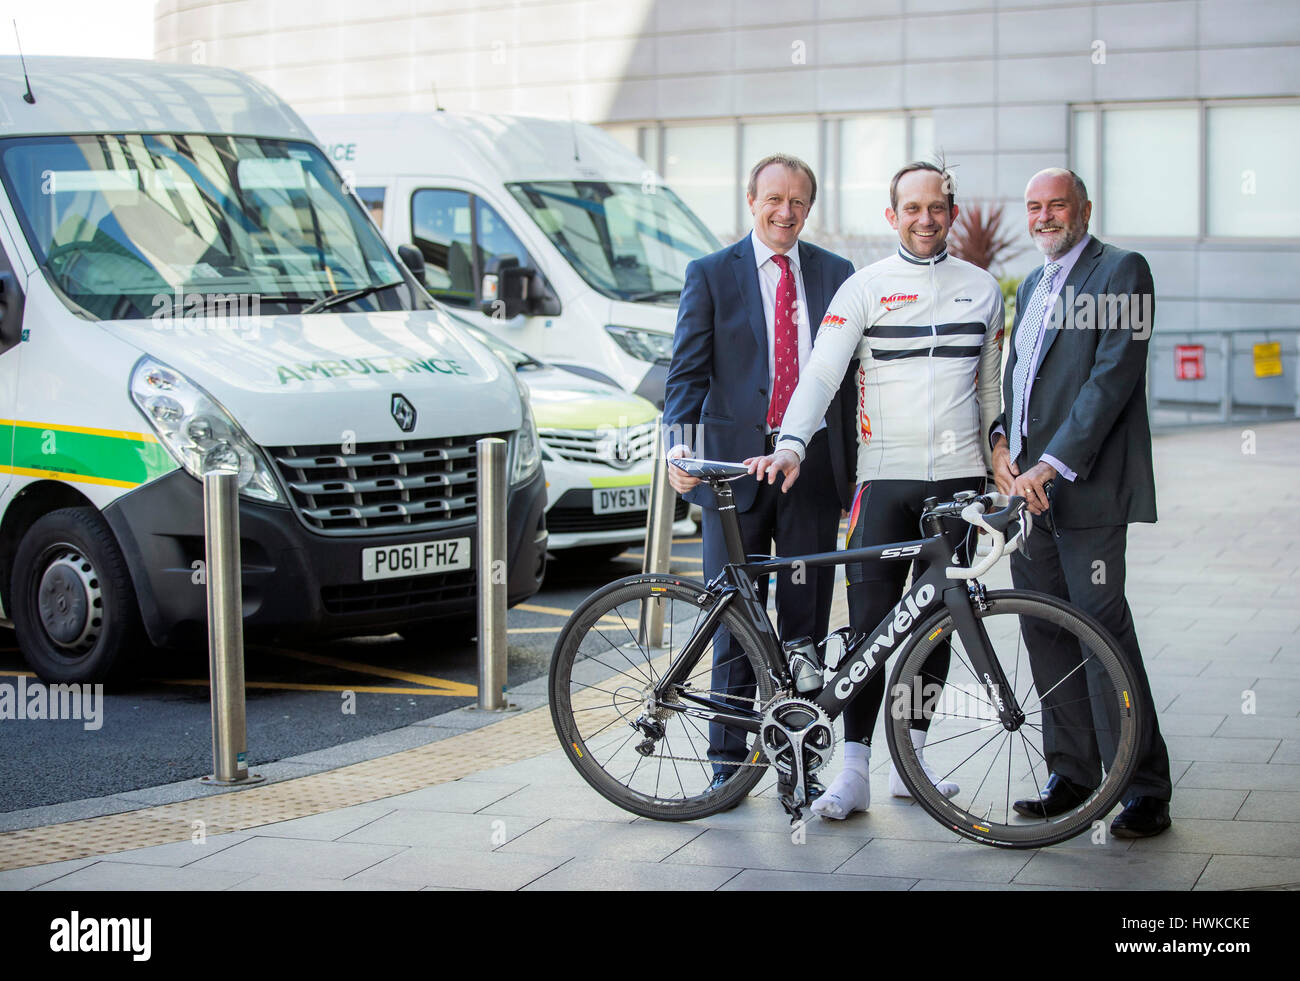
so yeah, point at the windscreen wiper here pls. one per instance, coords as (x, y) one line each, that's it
(325, 302)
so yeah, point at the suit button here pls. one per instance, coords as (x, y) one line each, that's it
(762, 391)
(758, 428)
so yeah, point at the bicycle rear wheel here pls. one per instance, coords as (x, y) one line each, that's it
(1085, 707)
(602, 673)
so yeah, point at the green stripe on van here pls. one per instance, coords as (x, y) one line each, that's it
(103, 457)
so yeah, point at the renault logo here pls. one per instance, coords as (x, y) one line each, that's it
(403, 412)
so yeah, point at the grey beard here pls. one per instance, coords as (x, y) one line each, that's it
(1071, 238)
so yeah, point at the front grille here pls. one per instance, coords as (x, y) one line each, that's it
(560, 519)
(621, 447)
(382, 488)
(397, 594)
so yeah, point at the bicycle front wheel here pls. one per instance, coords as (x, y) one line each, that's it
(602, 676)
(1080, 709)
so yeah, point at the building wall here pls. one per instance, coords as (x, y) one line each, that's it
(995, 85)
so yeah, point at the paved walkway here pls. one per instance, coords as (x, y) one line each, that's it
(1215, 588)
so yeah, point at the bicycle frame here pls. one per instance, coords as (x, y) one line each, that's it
(867, 652)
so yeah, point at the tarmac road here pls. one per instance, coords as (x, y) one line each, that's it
(157, 729)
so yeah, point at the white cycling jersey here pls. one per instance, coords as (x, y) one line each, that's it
(928, 336)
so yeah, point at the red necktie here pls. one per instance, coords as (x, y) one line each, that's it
(786, 343)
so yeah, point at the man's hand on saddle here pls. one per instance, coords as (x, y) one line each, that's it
(681, 481)
(784, 462)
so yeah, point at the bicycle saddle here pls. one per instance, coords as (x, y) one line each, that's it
(710, 469)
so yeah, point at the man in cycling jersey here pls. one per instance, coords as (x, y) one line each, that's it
(926, 328)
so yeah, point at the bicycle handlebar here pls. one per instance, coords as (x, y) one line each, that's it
(976, 513)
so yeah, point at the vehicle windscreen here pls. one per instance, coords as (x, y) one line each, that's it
(131, 226)
(627, 241)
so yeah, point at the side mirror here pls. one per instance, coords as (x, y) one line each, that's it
(505, 288)
(413, 260)
(11, 310)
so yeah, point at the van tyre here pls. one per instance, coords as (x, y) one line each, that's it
(74, 608)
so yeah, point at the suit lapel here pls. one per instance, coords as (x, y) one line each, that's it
(742, 264)
(810, 270)
(1076, 281)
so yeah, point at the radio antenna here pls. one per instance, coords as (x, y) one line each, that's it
(27, 96)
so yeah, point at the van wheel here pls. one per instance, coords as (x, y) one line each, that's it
(74, 608)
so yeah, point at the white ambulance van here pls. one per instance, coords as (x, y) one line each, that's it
(186, 284)
(546, 232)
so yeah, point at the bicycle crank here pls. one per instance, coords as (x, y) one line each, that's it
(798, 740)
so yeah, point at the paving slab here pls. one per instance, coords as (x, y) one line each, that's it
(294, 856)
(605, 874)
(458, 796)
(930, 860)
(307, 883)
(544, 801)
(328, 826)
(180, 853)
(434, 829)
(1271, 805)
(766, 850)
(1222, 805)
(762, 880)
(424, 866)
(1221, 750)
(17, 880)
(642, 841)
(124, 877)
(1242, 776)
(1133, 869)
(1249, 872)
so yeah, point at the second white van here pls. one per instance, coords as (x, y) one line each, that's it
(547, 232)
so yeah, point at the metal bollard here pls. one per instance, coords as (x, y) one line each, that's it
(658, 540)
(225, 631)
(491, 534)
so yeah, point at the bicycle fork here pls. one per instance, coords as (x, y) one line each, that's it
(962, 601)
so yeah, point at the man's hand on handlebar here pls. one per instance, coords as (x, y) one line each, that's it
(681, 481)
(1032, 486)
(782, 461)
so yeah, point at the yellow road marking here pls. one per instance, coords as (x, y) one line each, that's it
(17, 674)
(444, 685)
(296, 686)
(553, 610)
(534, 630)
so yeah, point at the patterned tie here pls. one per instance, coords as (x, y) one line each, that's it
(786, 343)
(1031, 324)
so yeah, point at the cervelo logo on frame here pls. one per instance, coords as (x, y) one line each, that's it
(905, 614)
(895, 300)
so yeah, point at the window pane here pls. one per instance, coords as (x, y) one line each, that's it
(700, 165)
(1084, 162)
(496, 238)
(441, 224)
(373, 199)
(627, 135)
(1150, 172)
(799, 139)
(923, 147)
(1251, 150)
(871, 151)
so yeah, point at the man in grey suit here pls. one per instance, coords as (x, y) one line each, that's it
(1075, 442)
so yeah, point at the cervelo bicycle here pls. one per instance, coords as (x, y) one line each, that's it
(633, 718)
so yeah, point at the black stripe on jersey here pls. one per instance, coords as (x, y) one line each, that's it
(904, 330)
(925, 352)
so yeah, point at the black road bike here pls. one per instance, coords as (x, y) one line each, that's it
(632, 702)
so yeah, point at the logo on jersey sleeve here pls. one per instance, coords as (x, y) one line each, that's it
(830, 320)
(896, 300)
(864, 420)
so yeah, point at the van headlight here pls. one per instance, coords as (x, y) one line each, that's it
(525, 446)
(197, 431)
(644, 345)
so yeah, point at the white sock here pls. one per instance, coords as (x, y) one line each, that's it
(899, 789)
(851, 789)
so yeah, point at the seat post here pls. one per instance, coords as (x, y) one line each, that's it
(730, 523)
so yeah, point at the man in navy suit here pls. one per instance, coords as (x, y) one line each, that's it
(747, 319)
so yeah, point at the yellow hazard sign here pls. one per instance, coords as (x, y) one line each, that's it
(1268, 359)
